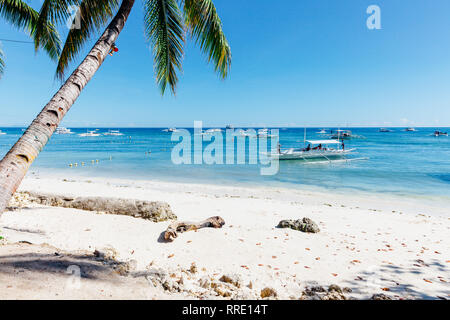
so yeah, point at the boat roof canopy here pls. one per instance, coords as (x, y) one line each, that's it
(323, 141)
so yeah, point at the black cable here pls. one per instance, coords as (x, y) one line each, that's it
(17, 41)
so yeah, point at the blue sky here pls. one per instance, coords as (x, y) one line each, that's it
(295, 63)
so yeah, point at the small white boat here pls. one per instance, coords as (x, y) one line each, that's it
(2, 133)
(341, 134)
(213, 130)
(327, 150)
(323, 131)
(170, 130)
(62, 130)
(92, 133)
(385, 130)
(438, 133)
(410, 129)
(264, 133)
(113, 133)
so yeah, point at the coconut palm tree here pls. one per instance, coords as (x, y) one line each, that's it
(166, 22)
(24, 18)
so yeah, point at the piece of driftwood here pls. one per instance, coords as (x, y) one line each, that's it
(182, 226)
(155, 211)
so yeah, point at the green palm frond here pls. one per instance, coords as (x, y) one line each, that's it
(54, 12)
(22, 16)
(18, 14)
(206, 27)
(2, 63)
(93, 15)
(164, 29)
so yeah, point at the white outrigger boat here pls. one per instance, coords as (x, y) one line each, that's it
(325, 150)
(438, 133)
(92, 133)
(341, 134)
(113, 133)
(2, 133)
(171, 130)
(62, 130)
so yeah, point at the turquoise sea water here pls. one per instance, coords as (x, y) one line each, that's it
(400, 162)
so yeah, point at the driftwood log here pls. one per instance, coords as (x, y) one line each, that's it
(155, 211)
(182, 226)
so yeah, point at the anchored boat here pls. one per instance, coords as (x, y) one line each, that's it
(113, 133)
(92, 133)
(326, 150)
(440, 133)
(62, 130)
(341, 134)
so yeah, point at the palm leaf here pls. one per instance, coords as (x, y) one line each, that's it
(2, 63)
(164, 30)
(22, 16)
(206, 27)
(94, 14)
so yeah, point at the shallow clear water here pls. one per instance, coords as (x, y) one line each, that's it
(399, 162)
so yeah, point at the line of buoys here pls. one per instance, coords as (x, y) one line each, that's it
(75, 164)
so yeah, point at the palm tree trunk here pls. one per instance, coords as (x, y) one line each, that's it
(16, 162)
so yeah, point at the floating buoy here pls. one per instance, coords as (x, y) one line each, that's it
(92, 161)
(82, 163)
(70, 165)
(76, 164)
(96, 160)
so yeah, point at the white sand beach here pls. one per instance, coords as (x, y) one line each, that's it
(371, 244)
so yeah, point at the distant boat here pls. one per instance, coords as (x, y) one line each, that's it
(326, 150)
(213, 130)
(410, 129)
(323, 131)
(2, 133)
(438, 133)
(92, 133)
(62, 130)
(229, 126)
(113, 133)
(170, 130)
(341, 134)
(385, 130)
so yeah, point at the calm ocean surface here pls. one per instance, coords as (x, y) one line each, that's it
(402, 163)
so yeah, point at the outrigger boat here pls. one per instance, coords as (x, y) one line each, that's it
(113, 133)
(410, 129)
(2, 133)
(170, 130)
(440, 133)
(323, 131)
(341, 134)
(62, 130)
(92, 133)
(327, 150)
(385, 130)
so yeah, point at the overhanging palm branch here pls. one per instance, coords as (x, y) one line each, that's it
(205, 25)
(164, 29)
(2, 63)
(92, 15)
(20, 15)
